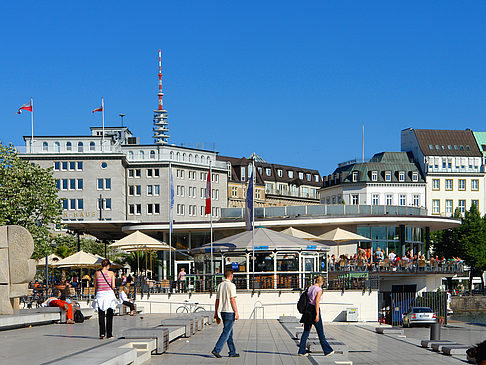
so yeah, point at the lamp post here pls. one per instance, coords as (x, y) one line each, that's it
(52, 245)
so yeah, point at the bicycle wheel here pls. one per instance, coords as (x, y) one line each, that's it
(200, 309)
(182, 309)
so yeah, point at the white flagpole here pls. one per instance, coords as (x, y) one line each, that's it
(211, 218)
(170, 228)
(32, 122)
(103, 128)
(253, 218)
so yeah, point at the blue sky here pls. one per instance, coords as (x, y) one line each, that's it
(291, 81)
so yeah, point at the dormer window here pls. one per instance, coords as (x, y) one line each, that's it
(279, 172)
(268, 171)
(301, 175)
(374, 175)
(291, 174)
(308, 177)
(243, 173)
(401, 176)
(355, 176)
(388, 175)
(415, 176)
(316, 178)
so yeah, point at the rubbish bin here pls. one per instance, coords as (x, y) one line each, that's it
(435, 332)
(352, 314)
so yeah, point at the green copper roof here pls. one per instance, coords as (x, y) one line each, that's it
(481, 141)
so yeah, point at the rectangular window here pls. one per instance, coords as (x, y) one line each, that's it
(389, 199)
(149, 173)
(268, 172)
(156, 208)
(449, 207)
(139, 209)
(291, 174)
(234, 191)
(374, 175)
(150, 209)
(108, 184)
(138, 190)
(150, 190)
(100, 184)
(80, 204)
(80, 166)
(156, 174)
(475, 185)
(131, 209)
(80, 184)
(435, 184)
(57, 166)
(388, 175)
(72, 166)
(354, 199)
(448, 184)
(72, 204)
(415, 176)
(64, 165)
(435, 206)
(215, 178)
(131, 190)
(402, 200)
(65, 204)
(58, 184)
(203, 193)
(401, 176)
(355, 176)
(416, 200)
(156, 190)
(279, 172)
(131, 173)
(180, 209)
(243, 176)
(108, 203)
(72, 184)
(375, 199)
(203, 211)
(64, 184)
(462, 184)
(215, 212)
(475, 202)
(462, 206)
(138, 173)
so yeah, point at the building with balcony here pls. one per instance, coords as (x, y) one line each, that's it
(453, 167)
(387, 179)
(275, 185)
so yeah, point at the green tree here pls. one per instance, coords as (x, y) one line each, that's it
(28, 198)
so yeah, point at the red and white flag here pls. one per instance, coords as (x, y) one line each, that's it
(208, 194)
(27, 107)
(100, 109)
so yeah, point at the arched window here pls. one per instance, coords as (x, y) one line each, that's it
(196, 158)
(152, 154)
(190, 157)
(80, 146)
(130, 155)
(178, 156)
(208, 160)
(45, 146)
(69, 146)
(57, 147)
(92, 146)
(171, 155)
(142, 155)
(183, 157)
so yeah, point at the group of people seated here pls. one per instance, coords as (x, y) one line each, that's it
(365, 259)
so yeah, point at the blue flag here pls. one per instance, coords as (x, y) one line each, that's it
(249, 205)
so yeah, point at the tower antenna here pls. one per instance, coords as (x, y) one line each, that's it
(161, 125)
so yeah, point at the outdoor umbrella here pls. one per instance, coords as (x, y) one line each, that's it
(299, 234)
(80, 260)
(51, 260)
(340, 236)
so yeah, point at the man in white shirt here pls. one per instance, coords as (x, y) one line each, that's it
(226, 303)
(392, 256)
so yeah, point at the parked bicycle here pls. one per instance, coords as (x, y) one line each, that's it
(190, 308)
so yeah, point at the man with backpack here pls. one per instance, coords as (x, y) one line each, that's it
(308, 305)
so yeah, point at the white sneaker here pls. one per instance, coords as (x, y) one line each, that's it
(304, 355)
(331, 353)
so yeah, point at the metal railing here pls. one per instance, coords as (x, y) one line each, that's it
(419, 266)
(320, 210)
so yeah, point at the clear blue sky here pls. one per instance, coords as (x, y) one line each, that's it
(291, 81)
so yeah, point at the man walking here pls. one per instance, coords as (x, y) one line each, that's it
(226, 300)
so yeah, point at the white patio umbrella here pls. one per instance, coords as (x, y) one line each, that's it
(299, 234)
(51, 259)
(80, 260)
(340, 236)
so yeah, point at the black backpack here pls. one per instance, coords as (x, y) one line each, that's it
(303, 302)
(78, 316)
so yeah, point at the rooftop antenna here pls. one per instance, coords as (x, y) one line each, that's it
(362, 143)
(161, 125)
(122, 115)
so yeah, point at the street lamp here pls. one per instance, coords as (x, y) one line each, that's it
(52, 245)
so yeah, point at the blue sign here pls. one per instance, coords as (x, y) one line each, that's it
(311, 247)
(235, 265)
(261, 248)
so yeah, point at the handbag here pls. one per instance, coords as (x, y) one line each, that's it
(117, 295)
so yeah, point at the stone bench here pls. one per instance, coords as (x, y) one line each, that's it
(160, 334)
(101, 355)
(456, 349)
(198, 320)
(340, 348)
(187, 324)
(389, 330)
(438, 346)
(175, 332)
(287, 319)
(428, 343)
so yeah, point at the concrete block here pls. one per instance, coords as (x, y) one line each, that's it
(3, 237)
(160, 334)
(455, 349)
(115, 356)
(389, 330)
(4, 271)
(438, 346)
(188, 325)
(5, 305)
(286, 319)
(20, 248)
(18, 290)
(429, 343)
(340, 348)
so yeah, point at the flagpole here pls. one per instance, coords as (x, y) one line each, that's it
(211, 219)
(170, 228)
(103, 128)
(253, 218)
(32, 122)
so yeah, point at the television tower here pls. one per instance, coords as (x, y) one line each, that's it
(161, 125)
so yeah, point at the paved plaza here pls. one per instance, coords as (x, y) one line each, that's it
(257, 341)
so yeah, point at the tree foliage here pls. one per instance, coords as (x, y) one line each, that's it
(28, 198)
(67, 245)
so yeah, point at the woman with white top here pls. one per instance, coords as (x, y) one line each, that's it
(105, 300)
